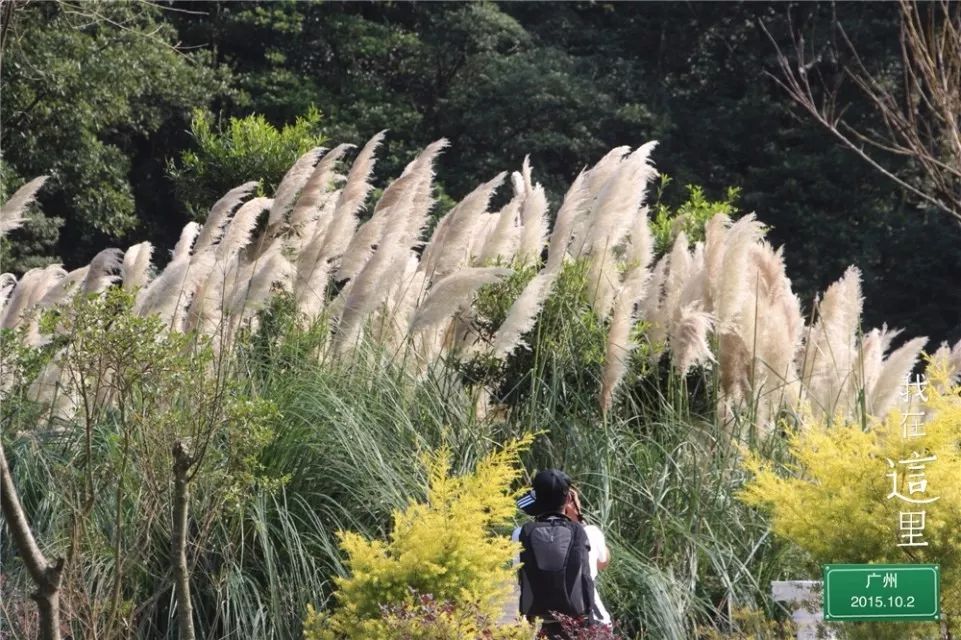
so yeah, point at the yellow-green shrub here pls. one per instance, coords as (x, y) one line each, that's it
(833, 500)
(447, 547)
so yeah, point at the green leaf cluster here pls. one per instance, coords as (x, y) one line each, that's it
(245, 149)
(89, 90)
(449, 546)
(691, 216)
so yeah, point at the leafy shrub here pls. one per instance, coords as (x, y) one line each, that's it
(248, 148)
(564, 349)
(842, 474)
(691, 216)
(577, 629)
(429, 619)
(446, 547)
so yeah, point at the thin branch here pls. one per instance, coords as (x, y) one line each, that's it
(925, 128)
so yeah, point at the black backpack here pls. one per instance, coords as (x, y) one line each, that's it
(556, 571)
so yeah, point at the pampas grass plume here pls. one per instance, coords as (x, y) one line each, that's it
(896, 367)
(291, 185)
(11, 213)
(522, 315)
(135, 269)
(217, 217)
(451, 293)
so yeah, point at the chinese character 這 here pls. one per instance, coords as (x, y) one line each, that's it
(916, 480)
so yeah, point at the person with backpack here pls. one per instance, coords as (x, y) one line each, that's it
(560, 555)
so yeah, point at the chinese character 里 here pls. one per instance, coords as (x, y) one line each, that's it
(912, 527)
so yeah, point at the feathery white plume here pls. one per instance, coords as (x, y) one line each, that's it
(102, 270)
(352, 196)
(640, 248)
(313, 268)
(827, 370)
(237, 234)
(249, 295)
(186, 242)
(11, 213)
(678, 274)
(450, 294)
(402, 303)
(65, 289)
(574, 203)
(896, 368)
(372, 285)
(619, 347)
(478, 239)
(715, 234)
(688, 338)
(617, 202)
(502, 240)
(341, 228)
(135, 269)
(522, 315)
(949, 360)
(320, 181)
(652, 307)
(873, 348)
(28, 293)
(49, 280)
(170, 292)
(419, 214)
(291, 185)
(217, 218)
(601, 172)
(8, 282)
(356, 188)
(448, 247)
(732, 279)
(534, 230)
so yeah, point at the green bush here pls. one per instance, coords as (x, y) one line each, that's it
(248, 148)
(448, 547)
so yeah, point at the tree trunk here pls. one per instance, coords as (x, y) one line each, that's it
(178, 551)
(46, 576)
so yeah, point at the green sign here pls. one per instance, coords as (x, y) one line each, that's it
(880, 592)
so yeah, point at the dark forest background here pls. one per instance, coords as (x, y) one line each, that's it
(109, 100)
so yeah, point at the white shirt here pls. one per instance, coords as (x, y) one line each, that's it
(598, 553)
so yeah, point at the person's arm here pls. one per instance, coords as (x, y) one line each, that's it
(603, 558)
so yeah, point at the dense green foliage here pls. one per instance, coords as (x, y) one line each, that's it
(563, 83)
(245, 149)
(95, 95)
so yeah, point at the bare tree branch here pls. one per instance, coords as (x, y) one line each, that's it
(922, 124)
(46, 575)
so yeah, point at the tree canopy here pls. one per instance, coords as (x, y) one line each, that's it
(100, 96)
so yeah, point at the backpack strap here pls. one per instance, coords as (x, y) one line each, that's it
(587, 584)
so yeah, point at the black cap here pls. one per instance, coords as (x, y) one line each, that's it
(548, 495)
